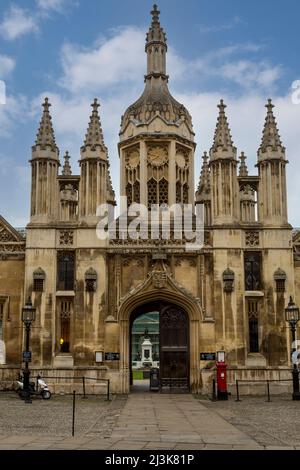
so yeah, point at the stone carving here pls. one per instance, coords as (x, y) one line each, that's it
(12, 248)
(191, 261)
(159, 279)
(5, 235)
(139, 262)
(252, 238)
(228, 279)
(66, 237)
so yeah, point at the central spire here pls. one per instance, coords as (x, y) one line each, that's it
(156, 47)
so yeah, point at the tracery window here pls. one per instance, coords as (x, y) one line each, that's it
(65, 270)
(252, 270)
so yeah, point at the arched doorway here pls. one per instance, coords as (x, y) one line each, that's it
(171, 355)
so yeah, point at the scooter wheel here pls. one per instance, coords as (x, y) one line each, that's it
(46, 394)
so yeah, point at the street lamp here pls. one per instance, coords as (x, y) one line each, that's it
(292, 316)
(28, 316)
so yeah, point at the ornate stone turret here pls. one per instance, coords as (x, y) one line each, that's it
(223, 164)
(271, 145)
(157, 138)
(223, 146)
(44, 164)
(45, 139)
(156, 47)
(67, 171)
(156, 99)
(94, 182)
(203, 194)
(243, 165)
(272, 172)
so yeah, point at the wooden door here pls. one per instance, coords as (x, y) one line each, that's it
(174, 351)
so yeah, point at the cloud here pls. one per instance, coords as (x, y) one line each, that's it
(204, 29)
(58, 6)
(113, 61)
(17, 22)
(7, 65)
(250, 74)
(14, 111)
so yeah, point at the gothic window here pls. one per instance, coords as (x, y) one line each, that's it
(90, 280)
(129, 194)
(253, 325)
(66, 270)
(280, 278)
(65, 325)
(163, 192)
(252, 270)
(178, 193)
(152, 192)
(185, 194)
(38, 280)
(182, 193)
(136, 192)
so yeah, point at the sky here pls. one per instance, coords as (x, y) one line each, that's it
(75, 50)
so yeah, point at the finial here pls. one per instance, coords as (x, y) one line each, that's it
(67, 171)
(270, 105)
(222, 106)
(45, 135)
(95, 105)
(94, 136)
(271, 139)
(222, 137)
(243, 166)
(155, 14)
(46, 104)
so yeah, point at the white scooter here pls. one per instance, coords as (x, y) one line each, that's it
(41, 388)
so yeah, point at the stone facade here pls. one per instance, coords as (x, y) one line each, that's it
(233, 290)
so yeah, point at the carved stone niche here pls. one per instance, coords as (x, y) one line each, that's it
(90, 278)
(66, 237)
(280, 278)
(39, 277)
(228, 280)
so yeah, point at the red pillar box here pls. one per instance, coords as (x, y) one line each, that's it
(221, 376)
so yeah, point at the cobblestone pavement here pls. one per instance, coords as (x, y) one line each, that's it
(271, 424)
(149, 421)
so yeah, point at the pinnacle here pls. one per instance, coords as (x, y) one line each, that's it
(222, 137)
(45, 136)
(156, 32)
(94, 135)
(109, 186)
(243, 165)
(67, 171)
(204, 183)
(155, 14)
(271, 137)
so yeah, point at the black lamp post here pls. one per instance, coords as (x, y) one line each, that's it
(28, 316)
(292, 316)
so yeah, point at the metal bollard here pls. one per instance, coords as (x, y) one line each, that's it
(108, 386)
(73, 416)
(268, 390)
(83, 387)
(214, 396)
(237, 391)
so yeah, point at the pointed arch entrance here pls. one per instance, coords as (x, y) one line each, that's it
(174, 355)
